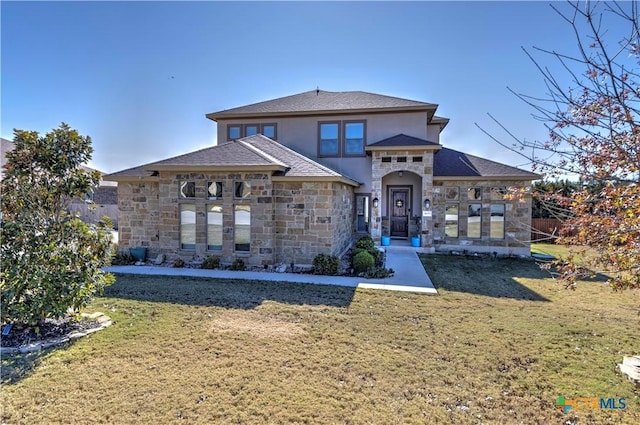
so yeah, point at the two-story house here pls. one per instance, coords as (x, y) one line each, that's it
(309, 173)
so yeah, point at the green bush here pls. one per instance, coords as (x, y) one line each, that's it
(122, 259)
(363, 261)
(375, 253)
(238, 265)
(379, 273)
(211, 263)
(366, 243)
(326, 265)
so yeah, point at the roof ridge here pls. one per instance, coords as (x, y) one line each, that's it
(256, 150)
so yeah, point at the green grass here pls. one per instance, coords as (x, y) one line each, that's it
(498, 344)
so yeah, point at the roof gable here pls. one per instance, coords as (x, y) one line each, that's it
(402, 140)
(324, 102)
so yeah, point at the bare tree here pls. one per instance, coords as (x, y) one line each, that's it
(594, 136)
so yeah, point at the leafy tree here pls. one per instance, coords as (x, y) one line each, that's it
(51, 260)
(552, 198)
(594, 137)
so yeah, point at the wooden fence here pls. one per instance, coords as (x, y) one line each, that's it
(545, 229)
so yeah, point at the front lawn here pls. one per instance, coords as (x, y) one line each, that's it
(499, 344)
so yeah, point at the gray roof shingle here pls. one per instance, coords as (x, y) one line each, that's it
(403, 140)
(452, 163)
(323, 102)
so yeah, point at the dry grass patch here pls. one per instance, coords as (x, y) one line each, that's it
(498, 345)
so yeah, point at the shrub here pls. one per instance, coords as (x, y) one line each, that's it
(379, 273)
(211, 263)
(122, 259)
(363, 261)
(238, 265)
(178, 263)
(375, 253)
(326, 265)
(366, 243)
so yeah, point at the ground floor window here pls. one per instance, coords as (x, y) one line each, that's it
(242, 228)
(188, 226)
(451, 221)
(362, 213)
(214, 228)
(497, 221)
(474, 221)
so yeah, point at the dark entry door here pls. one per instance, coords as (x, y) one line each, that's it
(399, 212)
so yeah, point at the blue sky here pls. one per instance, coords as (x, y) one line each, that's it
(139, 77)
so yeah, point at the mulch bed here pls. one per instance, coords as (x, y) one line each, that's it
(21, 335)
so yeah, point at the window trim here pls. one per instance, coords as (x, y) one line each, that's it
(364, 138)
(338, 150)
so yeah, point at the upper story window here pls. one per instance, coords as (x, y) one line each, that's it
(329, 139)
(341, 138)
(237, 131)
(234, 131)
(354, 138)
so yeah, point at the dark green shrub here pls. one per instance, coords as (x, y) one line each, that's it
(377, 255)
(363, 261)
(211, 263)
(366, 242)
(178, 263)
(238, 265)
(122, 259)
(326, 265)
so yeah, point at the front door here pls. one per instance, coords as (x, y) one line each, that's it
(399, 212)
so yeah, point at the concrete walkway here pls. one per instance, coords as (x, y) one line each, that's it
(409, 274)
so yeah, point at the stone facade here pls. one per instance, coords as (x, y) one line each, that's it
(291, 221)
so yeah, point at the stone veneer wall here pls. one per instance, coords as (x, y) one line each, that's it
(307, 217)
(138, 215)
(380, 169)
(517, 218)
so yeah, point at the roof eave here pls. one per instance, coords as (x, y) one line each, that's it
(116, 178)
(229, 167)
(404, 148)
(340, 179)
(478, 178)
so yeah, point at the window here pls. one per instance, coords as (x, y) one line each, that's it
(233, 131)
(242, 190)
(269, 130)
(362, 213)
(386, 159)
(452, 194)
(475, 193)
(242, 228)
(497, 221)
(214, 190)
(474, 221)
(354, 138)
(214, 228)
(187, 189)
(497, 193)
(188, 226)
(402, 159)
(416, 159)
(451, 221)
(329, 137)
(250, 130)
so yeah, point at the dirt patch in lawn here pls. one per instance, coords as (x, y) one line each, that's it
(255, 324)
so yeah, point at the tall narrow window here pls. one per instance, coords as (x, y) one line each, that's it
(497, 221)
(242, 228)
(214, 228)
(451, 221)
(188, 226)
(233, 131)
(474, 221)
(354, 138)
(329, 139)
(362, 213)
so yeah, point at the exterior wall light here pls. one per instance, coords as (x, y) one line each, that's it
(399, 173)
(427, 204)
(376, 202)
